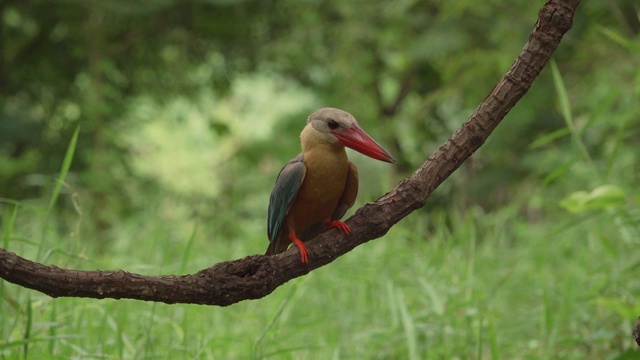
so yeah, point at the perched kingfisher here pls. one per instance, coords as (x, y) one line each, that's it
(315, 189)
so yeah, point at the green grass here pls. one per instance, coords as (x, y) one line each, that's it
(525, 281)
(490, 286)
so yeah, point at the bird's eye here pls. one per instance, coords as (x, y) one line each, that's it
(332, 124)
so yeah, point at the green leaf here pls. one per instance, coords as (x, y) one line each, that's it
(607, 196)
(617, 37)
(541, 141)
(619, 306)
(563, 97)
(66, 165)
(603, 197)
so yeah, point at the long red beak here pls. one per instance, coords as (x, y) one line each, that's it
(358, 140)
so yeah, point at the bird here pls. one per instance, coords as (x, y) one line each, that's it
(315, 189)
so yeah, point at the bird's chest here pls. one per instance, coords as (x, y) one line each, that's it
(325, 178)
(323, 185)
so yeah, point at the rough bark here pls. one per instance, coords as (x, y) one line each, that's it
(636, 332)
(256, 276)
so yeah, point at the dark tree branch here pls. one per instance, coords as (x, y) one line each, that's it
(636, 332)
(257, 276)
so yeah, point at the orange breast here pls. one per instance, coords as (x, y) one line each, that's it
(320, 192)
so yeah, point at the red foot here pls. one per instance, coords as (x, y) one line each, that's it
(304, 253)
(338, 224)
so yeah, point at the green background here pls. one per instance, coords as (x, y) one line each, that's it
(184, 112)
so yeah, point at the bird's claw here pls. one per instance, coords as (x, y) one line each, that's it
(304, 253)
(339, 225)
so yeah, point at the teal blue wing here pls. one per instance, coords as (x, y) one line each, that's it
(283, 194)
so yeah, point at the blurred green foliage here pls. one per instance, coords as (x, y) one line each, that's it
(186, 110)
(199, 102)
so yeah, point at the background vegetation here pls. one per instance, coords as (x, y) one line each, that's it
(186, 111)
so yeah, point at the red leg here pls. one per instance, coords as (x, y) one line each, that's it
(338, 224)
(304, 253)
